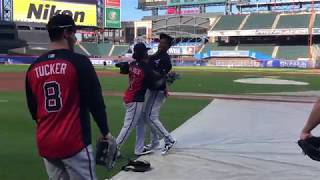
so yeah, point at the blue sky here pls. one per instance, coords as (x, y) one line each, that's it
(129, 10)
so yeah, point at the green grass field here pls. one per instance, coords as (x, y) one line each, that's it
(19, 159)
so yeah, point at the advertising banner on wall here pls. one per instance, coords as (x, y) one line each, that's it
(112, 18)
(112, 3)
(41, 11)
(193, 2)
(262, 32)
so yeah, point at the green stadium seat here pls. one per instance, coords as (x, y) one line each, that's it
(95, 49)
(119, 50)
(293, 52)
(208, 47)
(265, 49)
(229, 22)
(293, 21)
(317, 21)
(78, 50)
(259, 21)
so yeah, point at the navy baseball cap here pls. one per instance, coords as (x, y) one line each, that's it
(61, 21)
(166, 36)
(139, 50)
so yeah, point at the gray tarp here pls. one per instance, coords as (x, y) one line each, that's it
(237, 140)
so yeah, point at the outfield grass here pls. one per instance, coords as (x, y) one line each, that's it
(18, 150)
(212, 80)
(19, 159)
(222, 82)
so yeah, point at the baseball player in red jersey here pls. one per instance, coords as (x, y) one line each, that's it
(141, 76)
(62, 88)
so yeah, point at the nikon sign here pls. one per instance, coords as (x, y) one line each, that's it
(41, 11)
(112, 18)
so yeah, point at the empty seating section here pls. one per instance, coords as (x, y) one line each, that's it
(34, 37)
(95, 49)
(294, 21)
(228, 22)
(317, 21)
(293, 52)
(77, 49)
(265, 49)
(104, 48)
(119, 50)
(208, 47)
(260, 21)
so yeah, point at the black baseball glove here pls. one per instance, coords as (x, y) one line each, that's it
(137, 166)
(106, 152)
(124, 67)
(311, 147)
(172, 76)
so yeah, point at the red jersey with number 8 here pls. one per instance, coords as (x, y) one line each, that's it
(58, 100)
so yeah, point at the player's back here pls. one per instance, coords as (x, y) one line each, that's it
(137, 86)
(54, 81)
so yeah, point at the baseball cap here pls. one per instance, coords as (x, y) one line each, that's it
(139, 50)
(166, 36)
(61, 21)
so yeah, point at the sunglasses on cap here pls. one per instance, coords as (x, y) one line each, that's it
(74, 28)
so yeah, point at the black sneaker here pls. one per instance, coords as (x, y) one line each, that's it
(168, 147)
(144, 152)
(152, 147)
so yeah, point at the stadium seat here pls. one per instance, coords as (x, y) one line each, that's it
(119, 50)
(294, 21)
(317, 21)
(77, 49)
(208, 47)
(293, 52)
(228, 22)
(95, 49)
(265, 49)
(260, 21)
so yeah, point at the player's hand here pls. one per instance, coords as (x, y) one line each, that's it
(305, 135)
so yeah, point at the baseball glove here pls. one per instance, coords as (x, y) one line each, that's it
(124, 67)
(137, 166)
(106, 152)
(172, 76)
(311, 147)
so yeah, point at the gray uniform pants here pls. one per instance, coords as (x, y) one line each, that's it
(154, 101)
(133, 113)
(81, 166)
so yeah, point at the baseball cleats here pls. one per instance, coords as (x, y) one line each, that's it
(152, 147)
(144, 152)
(168, 147)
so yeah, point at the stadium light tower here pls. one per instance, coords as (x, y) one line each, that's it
(6, 10)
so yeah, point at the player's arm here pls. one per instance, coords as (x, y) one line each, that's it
(151, 74)
(153, 78)
(167, 64)
(91, 89)
(313, 121)
(31, 101)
